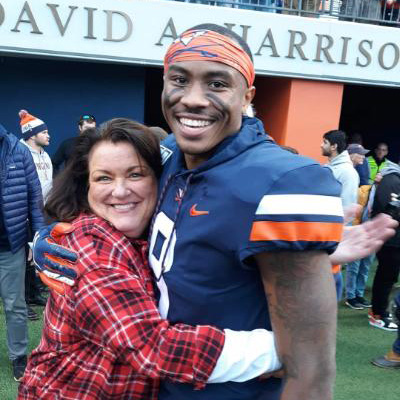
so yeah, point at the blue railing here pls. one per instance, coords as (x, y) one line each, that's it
(378, 12)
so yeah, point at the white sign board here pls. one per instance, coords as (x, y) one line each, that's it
(139, 31)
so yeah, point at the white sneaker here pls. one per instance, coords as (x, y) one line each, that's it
(383, 323)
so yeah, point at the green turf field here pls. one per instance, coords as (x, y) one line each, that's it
(8, 387)
(357, 343)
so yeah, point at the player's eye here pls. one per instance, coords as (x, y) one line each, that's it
(179, 80)
(217, 85)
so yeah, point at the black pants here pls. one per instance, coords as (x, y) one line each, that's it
(386, 276)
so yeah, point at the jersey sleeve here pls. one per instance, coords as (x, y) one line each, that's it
(302, 210)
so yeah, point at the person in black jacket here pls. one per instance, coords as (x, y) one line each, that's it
(66, 148)
(20, 201)
(388, 268)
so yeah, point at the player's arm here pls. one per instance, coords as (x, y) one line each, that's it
(302, 303)
(295, 226)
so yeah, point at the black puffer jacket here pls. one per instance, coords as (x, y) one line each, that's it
(389, 184)
(21, 195)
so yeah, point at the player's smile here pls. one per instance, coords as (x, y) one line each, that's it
(193, 125)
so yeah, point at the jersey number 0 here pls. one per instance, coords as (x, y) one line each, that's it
(161, 236)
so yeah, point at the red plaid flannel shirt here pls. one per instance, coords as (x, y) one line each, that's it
(104, 339)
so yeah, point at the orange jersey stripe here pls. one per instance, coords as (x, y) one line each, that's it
(295, 231)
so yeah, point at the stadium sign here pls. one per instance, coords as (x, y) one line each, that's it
(138, 32)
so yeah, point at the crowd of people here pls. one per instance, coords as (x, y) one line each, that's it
(172, 274)
(374, 183)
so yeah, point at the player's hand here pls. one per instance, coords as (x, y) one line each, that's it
(54, 262)
(362, 240)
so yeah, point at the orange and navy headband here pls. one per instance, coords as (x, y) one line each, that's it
(206, 45)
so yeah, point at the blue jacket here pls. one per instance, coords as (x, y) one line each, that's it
(21, 195)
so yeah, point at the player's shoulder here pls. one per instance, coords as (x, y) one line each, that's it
(269, 170)
(280, 157)
(275, 163)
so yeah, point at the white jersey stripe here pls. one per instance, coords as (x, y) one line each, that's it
(300, 204)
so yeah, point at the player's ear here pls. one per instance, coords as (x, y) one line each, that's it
(248, 98)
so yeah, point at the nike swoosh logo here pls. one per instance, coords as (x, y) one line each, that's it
(196, 213)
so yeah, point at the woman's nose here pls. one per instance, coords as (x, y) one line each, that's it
(120, 189)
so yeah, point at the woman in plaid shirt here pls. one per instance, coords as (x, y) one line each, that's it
(103, 338)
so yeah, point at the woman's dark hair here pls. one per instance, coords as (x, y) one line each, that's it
(68, 197)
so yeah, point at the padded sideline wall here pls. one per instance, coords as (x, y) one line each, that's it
(59, 91)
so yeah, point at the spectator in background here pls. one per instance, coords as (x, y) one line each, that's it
(21, 201)
(362, 169)
(334, 147)
(357, 155)
(390, 12)
(65, 149)
(357, 271)
(35, 138)
(377, 161)
(387, 271)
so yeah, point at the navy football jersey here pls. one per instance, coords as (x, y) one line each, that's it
(249, 197)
